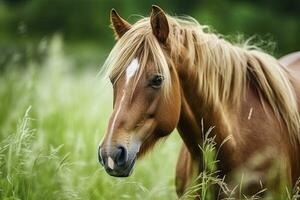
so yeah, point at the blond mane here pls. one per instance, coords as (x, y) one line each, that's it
(223, 69)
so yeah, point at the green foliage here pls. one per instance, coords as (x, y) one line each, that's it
(76, 17)
(252, 19)
(89, 19)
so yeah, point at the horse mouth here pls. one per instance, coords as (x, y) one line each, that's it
(125, 171)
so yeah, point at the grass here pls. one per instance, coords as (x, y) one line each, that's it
(52, 118)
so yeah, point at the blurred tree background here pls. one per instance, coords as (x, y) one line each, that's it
(87, 21)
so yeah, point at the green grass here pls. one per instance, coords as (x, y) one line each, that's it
(52, 119)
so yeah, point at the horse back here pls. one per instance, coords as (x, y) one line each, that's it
(292, 63)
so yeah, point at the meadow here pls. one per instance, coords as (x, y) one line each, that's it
(52, 119)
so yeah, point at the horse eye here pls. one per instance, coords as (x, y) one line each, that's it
(156, 81)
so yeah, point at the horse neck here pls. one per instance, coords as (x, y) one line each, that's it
(201, 73)
(198, 116)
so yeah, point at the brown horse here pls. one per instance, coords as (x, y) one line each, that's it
(172, 73)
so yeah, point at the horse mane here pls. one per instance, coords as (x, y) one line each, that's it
(223, 69)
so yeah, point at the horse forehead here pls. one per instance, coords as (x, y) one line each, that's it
(132, 69)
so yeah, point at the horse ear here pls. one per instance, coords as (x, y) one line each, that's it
(119, 25)
(159, 24)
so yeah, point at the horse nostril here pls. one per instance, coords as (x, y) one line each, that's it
(121, 156)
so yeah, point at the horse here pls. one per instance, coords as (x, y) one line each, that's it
(173, 73)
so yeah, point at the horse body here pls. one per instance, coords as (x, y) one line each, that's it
(192, 80)
(253, 141)
(291, 60)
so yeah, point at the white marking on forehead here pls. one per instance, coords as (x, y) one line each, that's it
(131, 69)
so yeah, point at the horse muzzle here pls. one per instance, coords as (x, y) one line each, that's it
(117, 161)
